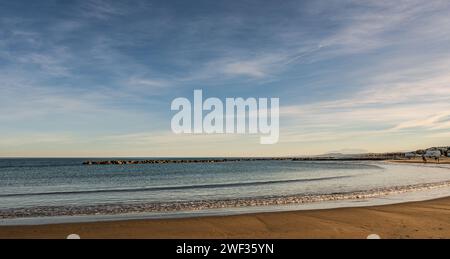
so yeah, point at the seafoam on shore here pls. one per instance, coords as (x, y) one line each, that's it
(116, 209)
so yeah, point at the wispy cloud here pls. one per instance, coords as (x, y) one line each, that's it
(50, 64)
(103, 9)
(251, 69)
(147, 83)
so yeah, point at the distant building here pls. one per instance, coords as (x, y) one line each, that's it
(410, 155)
(433, 153)
(444, 150)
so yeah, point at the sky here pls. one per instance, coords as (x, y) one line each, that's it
(96, 78)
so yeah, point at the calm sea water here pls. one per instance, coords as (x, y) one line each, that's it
(28, 183)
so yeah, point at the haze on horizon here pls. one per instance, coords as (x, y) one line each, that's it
(96, 78)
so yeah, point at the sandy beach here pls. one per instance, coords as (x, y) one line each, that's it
(419, 160)
(427, 219)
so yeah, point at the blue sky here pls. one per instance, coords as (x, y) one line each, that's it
(96, 77)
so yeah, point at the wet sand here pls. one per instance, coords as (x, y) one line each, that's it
(427, 219)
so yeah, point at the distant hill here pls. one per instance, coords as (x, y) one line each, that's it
(347, 151)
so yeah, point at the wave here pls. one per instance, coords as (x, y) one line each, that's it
(169, 188)
(115, 209)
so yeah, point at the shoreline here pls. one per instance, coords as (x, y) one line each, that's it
(423, 219)
(186, 206)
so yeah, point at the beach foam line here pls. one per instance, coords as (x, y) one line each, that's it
(116, 209)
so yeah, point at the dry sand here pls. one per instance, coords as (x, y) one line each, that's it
(419, 160)
(428, 219)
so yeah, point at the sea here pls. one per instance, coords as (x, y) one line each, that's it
(54, 190)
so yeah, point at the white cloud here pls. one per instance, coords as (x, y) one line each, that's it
(147, 84)
(251, 69)
(52, 64)
(103, 9)
(405, 98)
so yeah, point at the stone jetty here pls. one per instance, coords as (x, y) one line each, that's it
(224, 160)
(177, 161)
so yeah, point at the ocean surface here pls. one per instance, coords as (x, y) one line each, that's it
(27, 184)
